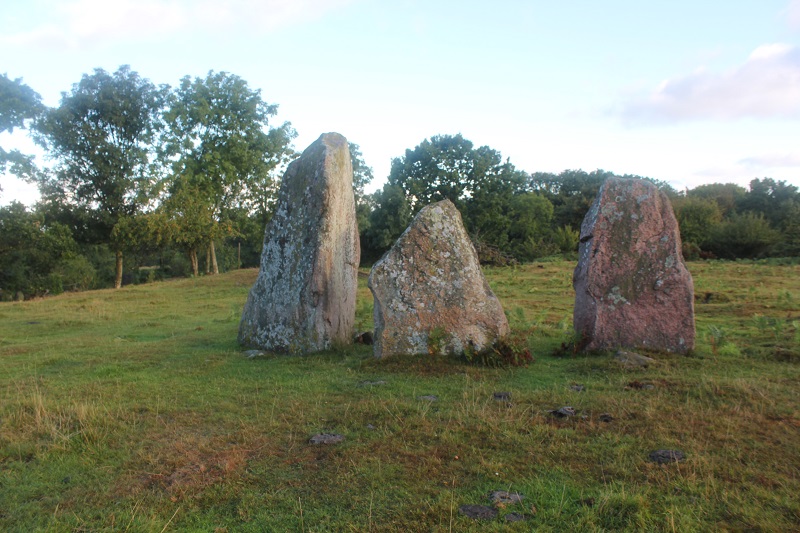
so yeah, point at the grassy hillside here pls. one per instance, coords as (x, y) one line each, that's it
(135, 410)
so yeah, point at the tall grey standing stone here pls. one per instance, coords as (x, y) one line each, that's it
(304, 299)
(430, 293)
(632, 288)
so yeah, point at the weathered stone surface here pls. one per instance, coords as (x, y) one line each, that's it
(430, 293)
(305, 295)
(632, 288)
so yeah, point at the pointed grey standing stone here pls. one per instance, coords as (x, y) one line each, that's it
(632, 288)
(430, 293)
(304, 299)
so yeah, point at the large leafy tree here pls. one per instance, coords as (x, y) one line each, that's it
(20, 106)
(222, 149)
(442, 167)
(101, 137)
(773, 199)
(362, 176)
(498, 210)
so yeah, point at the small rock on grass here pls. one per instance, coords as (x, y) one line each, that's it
(633, 360)
(605, 417)
(326, 438)
(428, 398)
(501, 396)
(505, 497)
(563, 412)
(577, 388)
(252, 354)
(478, 512)
(368, 383)
(517, 517)
(667, 456)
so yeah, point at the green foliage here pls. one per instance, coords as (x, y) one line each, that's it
(727, 196)
(76, 273)
(697, 218)
(224, 155)
(748, 235)
(31, 252)
(388, 220)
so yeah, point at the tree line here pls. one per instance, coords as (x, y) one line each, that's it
(147, 182)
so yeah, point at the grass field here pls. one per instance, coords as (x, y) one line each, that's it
(135, 410)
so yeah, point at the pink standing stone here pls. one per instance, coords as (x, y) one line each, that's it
(632, 288)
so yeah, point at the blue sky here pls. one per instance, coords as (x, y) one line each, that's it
(689, 92)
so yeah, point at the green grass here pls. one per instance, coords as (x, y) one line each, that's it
(135, 410)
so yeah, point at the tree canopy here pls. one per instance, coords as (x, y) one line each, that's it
(162, 174)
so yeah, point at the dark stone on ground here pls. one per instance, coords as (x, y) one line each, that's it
(563, 412)
(326, 438)
(588, 502)
(364, 338)
(640, 385)
(478, 512)
(667, 456)
(605, 417)
(577, 388)
(370, 427)
(501, 396)
(505, 497)
(516, 517)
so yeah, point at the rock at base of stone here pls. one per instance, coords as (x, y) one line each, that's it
(632, 288)
(430, 294)
(633, 360)
(364, 337)
(304, 299)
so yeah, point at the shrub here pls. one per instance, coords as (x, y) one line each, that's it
(510, 351)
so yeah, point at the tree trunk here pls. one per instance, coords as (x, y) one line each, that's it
(193, 259)
(214, 266)
(118, 278)
(208, 260)
(239, 255)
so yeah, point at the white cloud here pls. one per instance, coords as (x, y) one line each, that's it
(766, 85)
(89, 23)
